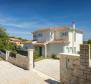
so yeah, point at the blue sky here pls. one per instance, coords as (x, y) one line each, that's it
(21, 17)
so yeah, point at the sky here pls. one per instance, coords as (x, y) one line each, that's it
(21, 17)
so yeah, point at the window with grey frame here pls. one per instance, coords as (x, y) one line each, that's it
(40, 35)
(63, 34)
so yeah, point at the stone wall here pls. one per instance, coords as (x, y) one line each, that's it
(21, 61)
(69, 68)
(75, 69)
(85, 69)
(25, 62)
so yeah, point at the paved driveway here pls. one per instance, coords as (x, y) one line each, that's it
(49, 67)
(10, 74)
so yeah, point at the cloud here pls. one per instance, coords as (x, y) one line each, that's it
(31, 25)
(16, 23)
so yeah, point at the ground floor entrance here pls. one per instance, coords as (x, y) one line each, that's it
(40, 51)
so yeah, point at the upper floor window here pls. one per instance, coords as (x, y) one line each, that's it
(64, 33)
(34, 36)
(40, 35)
(51, 34)
(37, 35)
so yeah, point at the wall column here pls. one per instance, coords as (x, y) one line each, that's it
(30, 57)
(7, 55)
(45, 50)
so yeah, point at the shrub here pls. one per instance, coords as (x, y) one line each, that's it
(54, 56)
(36, 53)
(13, 54)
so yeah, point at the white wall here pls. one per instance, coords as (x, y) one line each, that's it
(56, 48)
(59, 36)
(78, 41)
(53, 49)
(45, 36)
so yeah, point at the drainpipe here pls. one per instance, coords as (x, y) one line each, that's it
(73, 37)
(45, 44)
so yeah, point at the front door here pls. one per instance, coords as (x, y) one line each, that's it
(40, 51)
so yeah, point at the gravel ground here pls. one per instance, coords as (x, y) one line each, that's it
(49, 67)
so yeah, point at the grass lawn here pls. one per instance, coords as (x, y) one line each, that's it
(1, 58)
(38, 59)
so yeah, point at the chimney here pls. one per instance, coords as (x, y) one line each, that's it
(73, 37)
(73, 25)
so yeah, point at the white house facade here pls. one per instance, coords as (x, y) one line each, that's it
(52, 41)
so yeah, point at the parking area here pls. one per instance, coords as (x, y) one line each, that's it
(49, 67)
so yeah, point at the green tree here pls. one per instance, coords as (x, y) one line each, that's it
(85, 42)
(4, 40)
(89, 42)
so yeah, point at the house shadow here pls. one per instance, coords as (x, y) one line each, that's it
(50, 81)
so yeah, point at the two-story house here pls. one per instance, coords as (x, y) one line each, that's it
(52, 41)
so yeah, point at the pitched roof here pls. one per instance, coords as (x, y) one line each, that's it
(57, 29)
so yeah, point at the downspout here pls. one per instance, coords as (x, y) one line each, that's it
(73, 38)
(47, 42)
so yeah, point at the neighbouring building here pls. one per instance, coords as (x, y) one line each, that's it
(27, 45)
(52, 41)
(16, 41)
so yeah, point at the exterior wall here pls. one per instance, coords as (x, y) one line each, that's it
(53, 49)
(58, 35)
(46, 36)
(78, 39)
(43, 38)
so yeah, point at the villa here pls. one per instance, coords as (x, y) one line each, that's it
(52, 41)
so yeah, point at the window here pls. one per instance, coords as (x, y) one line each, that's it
(51, 34)
(68, 49)
(34, 36)
(64, 33)
(40, 34)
